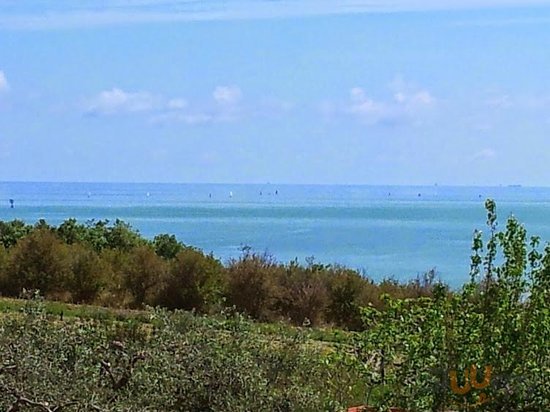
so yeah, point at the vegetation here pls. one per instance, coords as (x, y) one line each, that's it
(164, 361)
(430, 349)
(112, 265)
(420, 345)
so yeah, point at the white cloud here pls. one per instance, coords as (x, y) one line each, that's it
(157, 109)
(117, 101)
(407, 103)
(4, 85)
(367, 109)
(409, 95)
(227, 95)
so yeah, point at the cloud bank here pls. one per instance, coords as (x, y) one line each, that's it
(117, 101)
(407, 104)
(224, 105)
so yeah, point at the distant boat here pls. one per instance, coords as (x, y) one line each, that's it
(514, 185)
(230, 194)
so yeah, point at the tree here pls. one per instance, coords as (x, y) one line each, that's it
(167, 246)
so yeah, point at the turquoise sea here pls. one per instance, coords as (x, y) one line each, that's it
(398, 231)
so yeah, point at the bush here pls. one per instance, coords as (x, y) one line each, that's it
(251, 286)
(144, 275)
(180, 362)
(38, 261)
(4, 261)
(113, 265)
(88, 274)
(302, 294)
(70, 231)
(194, 282)
(346, 296)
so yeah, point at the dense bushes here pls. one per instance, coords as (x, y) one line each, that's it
(174, 362)
(111, 264)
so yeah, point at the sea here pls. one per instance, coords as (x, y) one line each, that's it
(384, 231)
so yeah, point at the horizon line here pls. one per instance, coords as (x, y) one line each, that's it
(501, 185)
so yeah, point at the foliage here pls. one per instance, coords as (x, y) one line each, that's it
(167, 246)
(38, 261)
(194, 282)
(251, 284)
(499, 320)
(177, 361)
(11, 232)
(111, 264)
(302, 294)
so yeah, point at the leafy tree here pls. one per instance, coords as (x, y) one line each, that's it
(70, 231)
(11, 232)
(167, 246)
(123, 237)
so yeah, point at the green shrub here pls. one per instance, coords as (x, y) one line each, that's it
(346, 296)
(178, 363)
(251, 285)
(11, 232)
(302, 294)
(167, 246)
(194, 282)
(500, 320)
(88, 274)
(38, 261)
(144, 275)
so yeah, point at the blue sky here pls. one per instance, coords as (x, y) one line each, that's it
(377, 92)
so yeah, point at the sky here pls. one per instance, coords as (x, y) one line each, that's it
(400, 92)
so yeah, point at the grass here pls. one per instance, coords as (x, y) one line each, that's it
(328, 336)
(62, 310)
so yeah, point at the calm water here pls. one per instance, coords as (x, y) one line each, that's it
(397, 231)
